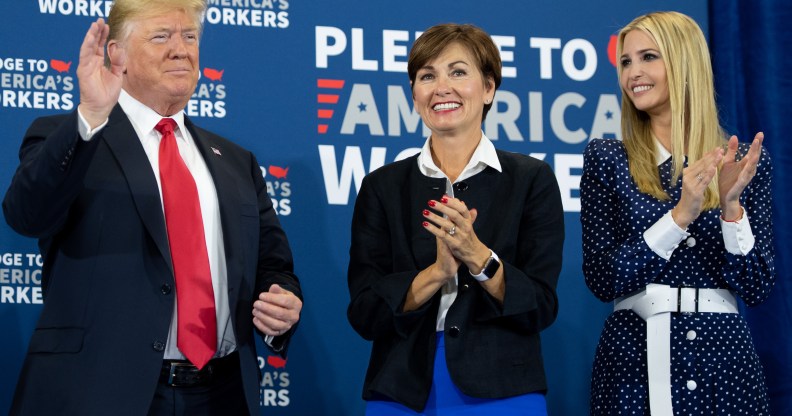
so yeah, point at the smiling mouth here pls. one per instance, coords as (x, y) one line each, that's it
(642, 88)
(446, 106)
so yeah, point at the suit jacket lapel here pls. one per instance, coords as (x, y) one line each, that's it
(227, 200)
(480, 193)
(125, 145)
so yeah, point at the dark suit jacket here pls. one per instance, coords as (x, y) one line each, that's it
(107, 276)
(492, 350)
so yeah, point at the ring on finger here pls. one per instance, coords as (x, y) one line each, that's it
(699, 177)
(452, 231)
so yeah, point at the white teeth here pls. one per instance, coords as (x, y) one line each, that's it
(445, 106)
(642, 88)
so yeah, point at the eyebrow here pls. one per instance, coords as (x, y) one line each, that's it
(643, 51)
(169, 29)
(450, 65)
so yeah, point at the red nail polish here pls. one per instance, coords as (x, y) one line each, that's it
(425, 224)
(426, 213)
(431, 203)
(444, 200)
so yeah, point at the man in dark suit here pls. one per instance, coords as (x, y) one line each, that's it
(145, 311)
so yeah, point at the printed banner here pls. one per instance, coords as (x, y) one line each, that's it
(319, 92)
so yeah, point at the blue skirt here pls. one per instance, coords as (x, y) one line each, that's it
(446, 399)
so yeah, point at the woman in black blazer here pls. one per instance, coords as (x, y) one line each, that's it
(456, 251)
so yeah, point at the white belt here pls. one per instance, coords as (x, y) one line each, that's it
(655, 304)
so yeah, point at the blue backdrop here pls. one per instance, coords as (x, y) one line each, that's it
(751, 60)
(329, 80)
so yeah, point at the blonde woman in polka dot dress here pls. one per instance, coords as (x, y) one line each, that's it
(676, 226)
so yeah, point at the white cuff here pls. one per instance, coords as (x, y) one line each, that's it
(737, 236)
(664, 236)
(85, 130)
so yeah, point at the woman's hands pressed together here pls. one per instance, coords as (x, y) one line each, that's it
(452, 226)
(451, 222)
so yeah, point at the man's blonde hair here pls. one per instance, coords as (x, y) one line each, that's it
(125, 11)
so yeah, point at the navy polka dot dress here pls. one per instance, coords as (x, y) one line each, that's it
(714, 367)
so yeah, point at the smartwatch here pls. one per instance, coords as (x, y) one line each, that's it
(490, 268)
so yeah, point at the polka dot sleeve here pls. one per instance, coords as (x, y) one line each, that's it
(616, 258)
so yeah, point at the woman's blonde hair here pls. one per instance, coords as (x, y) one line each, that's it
(694, 116)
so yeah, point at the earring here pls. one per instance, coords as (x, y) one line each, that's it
(486, 101)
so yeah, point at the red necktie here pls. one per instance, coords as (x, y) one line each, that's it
(197, 327)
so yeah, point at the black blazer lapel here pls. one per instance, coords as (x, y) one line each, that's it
(480, 192)
(225, 177)
(125, 145)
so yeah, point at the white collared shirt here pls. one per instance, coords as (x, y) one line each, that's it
(665, 235)
(144, 119)
(483, 156)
